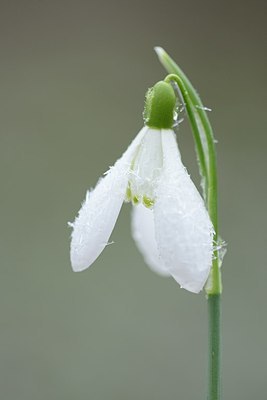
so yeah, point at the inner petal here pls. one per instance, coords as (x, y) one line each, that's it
(146, 168)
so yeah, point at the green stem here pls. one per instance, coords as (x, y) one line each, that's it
(214, 384)
(204, 140)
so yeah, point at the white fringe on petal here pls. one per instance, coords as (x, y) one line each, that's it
(97, 217)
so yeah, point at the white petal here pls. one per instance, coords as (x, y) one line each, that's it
(97, 217)
(147, 166)
(143, 230)
(183, 229)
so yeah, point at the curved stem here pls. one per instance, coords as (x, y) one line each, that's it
(207, 156)
(195, 128)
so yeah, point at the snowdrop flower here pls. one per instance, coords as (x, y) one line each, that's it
(170, 223)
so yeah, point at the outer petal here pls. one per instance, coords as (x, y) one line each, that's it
(184, 232)
(143, 230)
(97, 217)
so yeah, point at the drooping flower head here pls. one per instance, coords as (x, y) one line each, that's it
(170, 223)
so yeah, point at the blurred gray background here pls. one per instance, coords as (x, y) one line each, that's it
(72, 84)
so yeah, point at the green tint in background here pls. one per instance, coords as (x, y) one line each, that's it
(72, 85)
